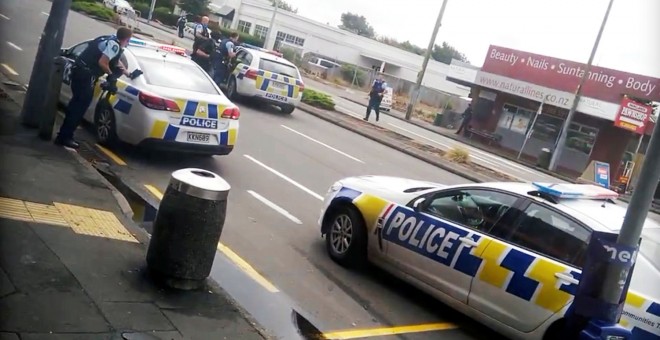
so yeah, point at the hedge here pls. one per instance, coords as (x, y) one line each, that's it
(93, 9)
(242, 37)
(318, 99)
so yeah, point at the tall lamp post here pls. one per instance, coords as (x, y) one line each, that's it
(559, 146)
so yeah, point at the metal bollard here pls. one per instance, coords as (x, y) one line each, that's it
(47, 119)
(187, 228)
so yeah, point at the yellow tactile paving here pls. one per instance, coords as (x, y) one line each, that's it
(43, 213)
(14, 209)
(93, 222)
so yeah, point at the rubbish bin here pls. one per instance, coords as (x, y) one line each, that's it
(544, 158)
(187, 228)
(438, 119)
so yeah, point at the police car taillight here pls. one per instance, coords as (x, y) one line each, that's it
(302, 86)
(158, 103)
(231, 113)
(251, 74)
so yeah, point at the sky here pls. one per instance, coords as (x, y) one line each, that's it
(558, 28)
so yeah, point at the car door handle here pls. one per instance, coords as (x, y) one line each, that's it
(468, 241)
(567, 278)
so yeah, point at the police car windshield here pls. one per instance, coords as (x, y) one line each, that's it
(278, 68)
(181, 76)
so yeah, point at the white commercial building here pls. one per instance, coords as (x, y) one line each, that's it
(254, 17)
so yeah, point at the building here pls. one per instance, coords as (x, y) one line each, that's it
(309, 36)
(511, 85)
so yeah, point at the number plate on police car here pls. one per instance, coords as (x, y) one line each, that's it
(199, 137)
(277, 97)
(280, 86)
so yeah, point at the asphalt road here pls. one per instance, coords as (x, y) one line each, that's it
(280, 168)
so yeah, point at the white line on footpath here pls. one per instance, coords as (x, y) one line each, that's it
(4, 16)
(14, 46)
(323, 144)
(348, 112)
(282, 176)
(44, 13)
(9, 69)
(275, 207)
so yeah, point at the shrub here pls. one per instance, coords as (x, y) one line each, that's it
(90, 1)
(143, 8)
(242, 37)
(348, 71)
(318, 99)
(164, 15)
(93, 9)
(291, 55)
(458, 154)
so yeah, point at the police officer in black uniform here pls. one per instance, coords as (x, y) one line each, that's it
(100, 57)
(202, 33)
(224, 53)
(204, 54)
(376, 96)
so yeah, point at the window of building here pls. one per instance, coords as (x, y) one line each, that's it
(261, 31)
(244, 26)
(226, 23)
(290, 38)
(581, 138)
(516, 119)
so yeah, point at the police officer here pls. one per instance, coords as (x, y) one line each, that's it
(205, 53)
(201, 32)
(225, 52)
(376, 96)
(100, 57)
(181, 24)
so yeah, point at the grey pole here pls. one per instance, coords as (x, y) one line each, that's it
(638, 209)
(49, 113)
(49, 47)
(427, 56)
(151, 10)
(559, 147)
(271, 26)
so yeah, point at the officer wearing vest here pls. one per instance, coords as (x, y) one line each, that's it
(376, 96)
(224, 53)
(100, 57)
(202, 33)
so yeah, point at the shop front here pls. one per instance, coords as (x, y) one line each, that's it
(524, 98)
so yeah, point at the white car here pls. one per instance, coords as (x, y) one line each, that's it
(506, 254)
(119, 6)
(174, 105)
(266, 76)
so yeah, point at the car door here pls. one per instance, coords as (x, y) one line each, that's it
(70, 54)
(433, 238)
(531, 267)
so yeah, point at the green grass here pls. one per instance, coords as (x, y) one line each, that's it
(93, 9)
(318, 99)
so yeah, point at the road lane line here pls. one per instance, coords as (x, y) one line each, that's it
(154, 191)
(9, 69)
(371, 332)
(323, 144)
(44, 13)
(420, 136)
(112, 155)
(282, 176)
(275, 207)
(4, 16)
(14, 46)
(237, 260)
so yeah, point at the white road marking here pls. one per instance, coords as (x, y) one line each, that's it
(282, 176)
(323, 144)
(4, 16)
(14, 46)
(275, 207)
(44, 13)
(420, 136)
(9, 69)
(348, 112)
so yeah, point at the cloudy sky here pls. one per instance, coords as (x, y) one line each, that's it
(559, 28)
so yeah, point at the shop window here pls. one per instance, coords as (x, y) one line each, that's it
(290, 38)
(516, 118)
(581, 138)
(547, 128)
(244, 26)
(261, 31)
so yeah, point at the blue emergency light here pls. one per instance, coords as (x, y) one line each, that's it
(575, 191)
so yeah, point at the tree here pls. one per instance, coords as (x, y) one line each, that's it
(196, 7)
(446, 53)
(281, 4)
(357, 24)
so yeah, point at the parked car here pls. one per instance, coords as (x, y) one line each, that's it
(119, 6)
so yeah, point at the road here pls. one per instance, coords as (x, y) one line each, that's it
(280, 168)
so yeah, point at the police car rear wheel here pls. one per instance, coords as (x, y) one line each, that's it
(288, 109)
(105, 125)
(346, 237)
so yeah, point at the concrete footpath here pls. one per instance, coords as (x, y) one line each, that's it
(72, 262)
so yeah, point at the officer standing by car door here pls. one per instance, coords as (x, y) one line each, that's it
(201, 32)
(376, 96)
(100, 57)
(205, 53)
(225, 52)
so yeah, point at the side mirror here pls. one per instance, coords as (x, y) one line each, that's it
(64, 51)
(417, 205)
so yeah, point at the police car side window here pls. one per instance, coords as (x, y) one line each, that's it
(247, 59)
(548, 232)
(124, 61)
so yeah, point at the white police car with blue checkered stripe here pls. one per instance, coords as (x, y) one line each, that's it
(506, 254)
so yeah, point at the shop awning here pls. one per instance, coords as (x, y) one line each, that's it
(223, 11)
(380, 60)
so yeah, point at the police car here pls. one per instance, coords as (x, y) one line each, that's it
(266, 76)
(506, 254)
(173, 105)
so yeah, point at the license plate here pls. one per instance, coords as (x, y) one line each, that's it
(277, 97)
(199, 137)
(280, 86)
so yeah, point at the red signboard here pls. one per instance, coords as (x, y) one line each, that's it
(564, 75)
(633, 116)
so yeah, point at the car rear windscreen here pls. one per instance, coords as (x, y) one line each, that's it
(176, 76)
(279, 68)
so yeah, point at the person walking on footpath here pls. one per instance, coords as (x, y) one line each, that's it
(467, 117)
(181, 24)
(100, 57)
(376, 96)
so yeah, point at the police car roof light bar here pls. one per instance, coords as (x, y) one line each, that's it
(575, 191)
(156, 46)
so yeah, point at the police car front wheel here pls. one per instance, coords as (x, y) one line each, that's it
(346, 238)
(105, 125)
